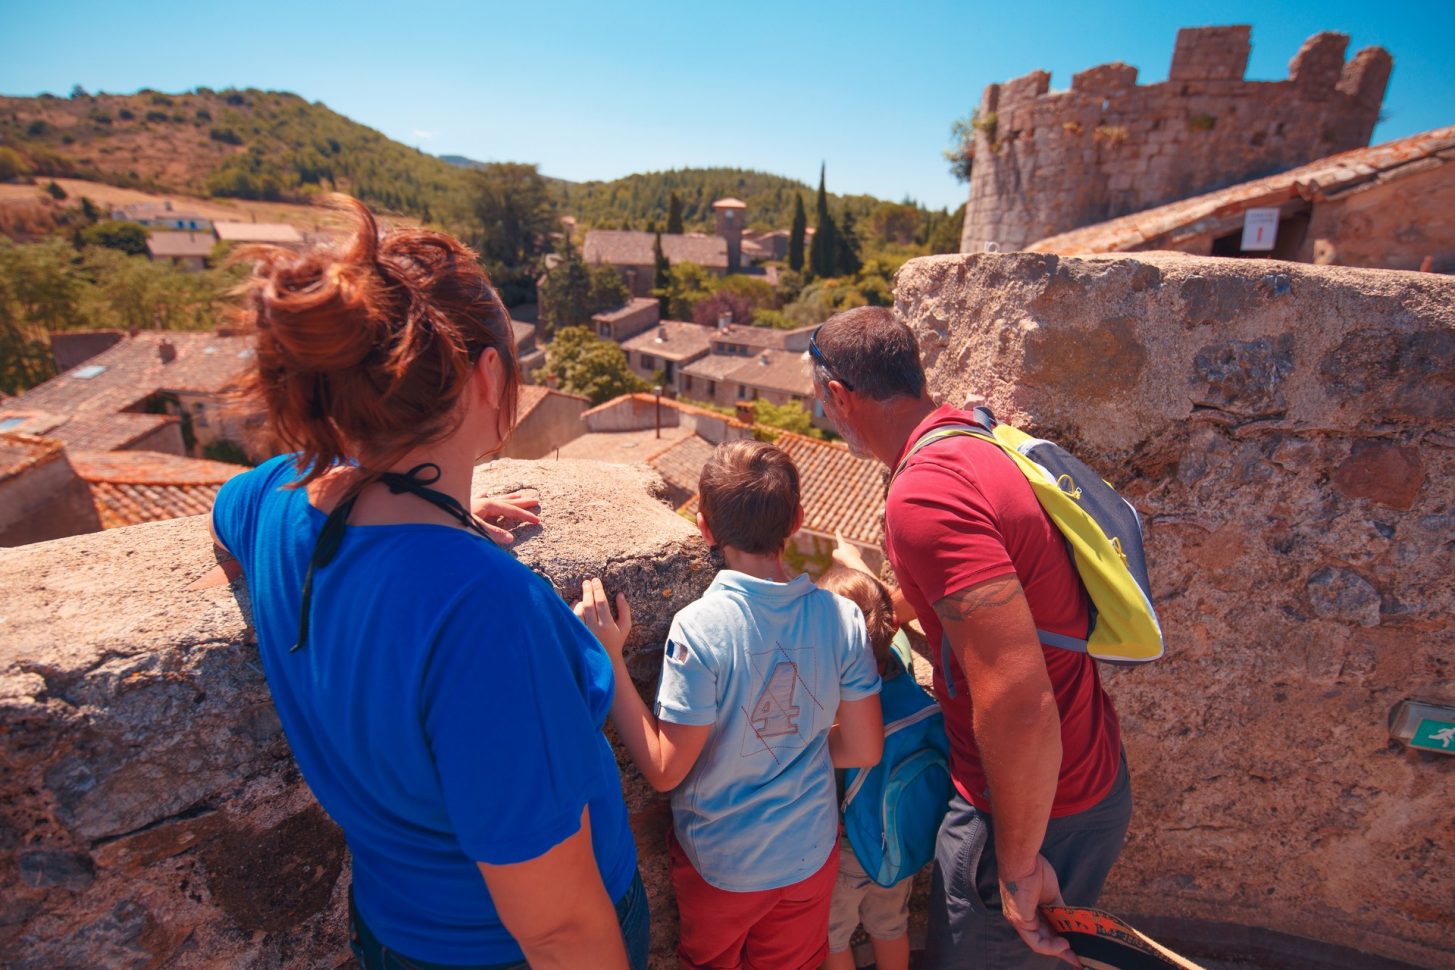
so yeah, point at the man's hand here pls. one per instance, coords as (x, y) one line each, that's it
(1022, 898)
(499, 514)
(595, 611)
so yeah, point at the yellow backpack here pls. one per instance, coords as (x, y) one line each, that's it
(1103, 533)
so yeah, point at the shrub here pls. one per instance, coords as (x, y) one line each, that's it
(12, 164)
(204, 115)
(227, 136)
(158, 116)
(125, 114)
(128, 237)
(55, 191)
(161, 99)
(37, 128)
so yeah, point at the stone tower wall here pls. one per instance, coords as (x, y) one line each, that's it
(1048, 162)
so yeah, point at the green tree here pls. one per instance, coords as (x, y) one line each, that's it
(846, 247)
(674, 215)
(12, 164)
(796, 234)
(895, 222)
(126, 237)
(583, 363)
(573, 291)
(823, 252)
(662, 273)
(944, 235)
(786, 417)
(511, 206)
(688, 284)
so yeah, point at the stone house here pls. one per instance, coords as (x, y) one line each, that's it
(545, 420)
(155, 391)
(161, 215)
(189, 250)
(530, 357)
(41, 496)
(666, 349)
(1390, 206)
(638, 314)
(272, 233)
(631, 254)
(777, 376)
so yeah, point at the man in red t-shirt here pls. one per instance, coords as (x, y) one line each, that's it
(1042, 796)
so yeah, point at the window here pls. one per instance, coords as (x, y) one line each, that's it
(686, 382)
(200, 415)
(711, 390)
(668, 371)
(8, 423)
(742, 392)
(89, 371)
(649, 362)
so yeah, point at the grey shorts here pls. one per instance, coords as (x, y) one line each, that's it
(967, 929)
(859, 899)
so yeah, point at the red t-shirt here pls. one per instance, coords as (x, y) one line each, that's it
(960, 513)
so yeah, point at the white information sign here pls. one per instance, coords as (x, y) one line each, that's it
(1260, 229)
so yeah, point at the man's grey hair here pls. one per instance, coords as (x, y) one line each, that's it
(871, 351)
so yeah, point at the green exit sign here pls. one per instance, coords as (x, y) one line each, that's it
(1433, 735)
(1424, 725)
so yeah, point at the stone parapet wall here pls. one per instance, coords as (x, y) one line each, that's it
(1288, 434)
(1048, 162)
(150, 812)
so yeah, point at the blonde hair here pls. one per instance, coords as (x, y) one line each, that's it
(872, 598)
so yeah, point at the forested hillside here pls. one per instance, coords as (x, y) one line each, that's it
(246, 144)
(634, 201)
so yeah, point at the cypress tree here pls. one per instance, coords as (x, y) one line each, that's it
(662, 278)
(846, 247)
(796, 234)
(823, 250)
(674, 215)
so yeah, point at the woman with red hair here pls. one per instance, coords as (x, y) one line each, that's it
(443, 703)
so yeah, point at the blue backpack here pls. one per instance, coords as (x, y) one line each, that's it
(892, 811)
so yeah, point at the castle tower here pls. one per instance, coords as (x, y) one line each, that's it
(1048, 162)
(730, 214)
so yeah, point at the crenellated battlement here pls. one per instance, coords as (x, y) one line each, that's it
(1050, 161)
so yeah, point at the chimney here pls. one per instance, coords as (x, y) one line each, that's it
(167, 351)
(724, 320)
(661, 335)
(746, 413)
(765, 358)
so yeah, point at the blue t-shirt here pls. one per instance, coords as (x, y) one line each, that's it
(447, 709)
(766, 664)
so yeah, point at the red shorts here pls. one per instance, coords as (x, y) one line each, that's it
(772, 929)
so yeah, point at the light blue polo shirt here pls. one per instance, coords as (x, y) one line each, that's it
(766, 664)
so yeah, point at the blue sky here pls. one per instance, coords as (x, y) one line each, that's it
(603, 89)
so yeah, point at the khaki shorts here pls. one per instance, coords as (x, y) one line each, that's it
(859, 899)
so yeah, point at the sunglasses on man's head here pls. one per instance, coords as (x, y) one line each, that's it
(816, 353)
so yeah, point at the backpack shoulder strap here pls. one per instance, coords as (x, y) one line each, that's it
(983, 427)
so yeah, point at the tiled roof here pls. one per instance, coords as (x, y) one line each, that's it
(133, 369)
(521, 331)
(531, 396)
(729, 203)
(760, 336)
(683, 340)
(20, 452)
(165, 245)
(684, 407)
(1323, 179)
(627, 248)
(279, 233)
(129, 487)
(99, 431)
(635, 305)
(623, 447)
(840, 493)
(680, 464)
(714, 367)
(776, 370)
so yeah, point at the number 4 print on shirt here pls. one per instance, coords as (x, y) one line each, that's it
(775, 713)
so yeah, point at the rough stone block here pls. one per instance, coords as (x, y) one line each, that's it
(1104, 80)
(1288, 434)
(1211, 52)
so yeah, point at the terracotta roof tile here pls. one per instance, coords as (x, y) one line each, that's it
(776, 370)
(633, 306)
(278, 233)
(841, 493)
(683, 340)
(21, 452)
(627, 248)
(1154, 228)
(680, 464)
(130, 487)
(167, 244)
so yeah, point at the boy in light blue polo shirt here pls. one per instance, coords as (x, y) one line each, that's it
(768, 684)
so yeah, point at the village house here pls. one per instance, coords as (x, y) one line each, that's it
(1389, 206)
(658, 354)
(155, 391)
(41, 496)
(545, 420)
(161, 215)
(636, 316)
(632, 254)
(531, 357)
(777, 376)
(271, 233)
(188, 250)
